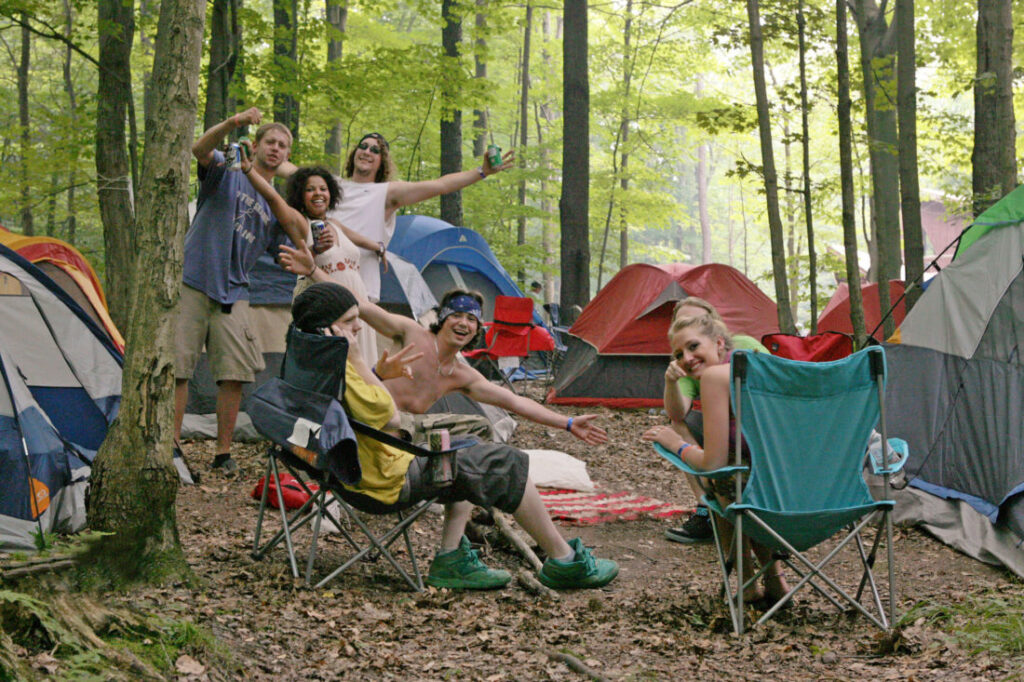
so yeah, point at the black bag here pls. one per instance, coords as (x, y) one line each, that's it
(312, 426)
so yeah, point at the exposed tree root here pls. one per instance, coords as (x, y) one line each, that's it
(576, 665)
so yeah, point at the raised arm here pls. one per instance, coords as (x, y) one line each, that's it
(292, 222)
(407, 193)
(203, 148)
(482, 390)
(300, 262)
(360, 240)
(677, 405)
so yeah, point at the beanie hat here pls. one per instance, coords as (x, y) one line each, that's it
(320, 305)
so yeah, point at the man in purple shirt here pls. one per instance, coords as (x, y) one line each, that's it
(233, 225)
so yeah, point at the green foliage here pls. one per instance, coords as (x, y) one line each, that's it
(681, 80)
(990, 622)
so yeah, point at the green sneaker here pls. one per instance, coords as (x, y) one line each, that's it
(461, 569)
(583, 571)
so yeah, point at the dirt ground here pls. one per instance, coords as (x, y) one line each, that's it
(660, 620)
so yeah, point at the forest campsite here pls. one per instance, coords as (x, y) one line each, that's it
(372, 340)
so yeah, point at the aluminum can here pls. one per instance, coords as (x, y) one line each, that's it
(316, 228)
(494, 155)
(439, 439)
(235, 156)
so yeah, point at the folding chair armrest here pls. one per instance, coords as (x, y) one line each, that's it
(404, 445)
(677, 462)
(900, 450)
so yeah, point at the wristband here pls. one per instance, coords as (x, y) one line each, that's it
(568, 425)
(374, 370)
(682, 448)
(480, 170)
(381, 249)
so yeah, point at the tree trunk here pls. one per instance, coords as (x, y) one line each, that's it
(25, 136)
(846, 177)
(627, 76)
(480, 73)
(451, 111)
(702, 202)
(547, 239)
(524, 122)
(69, 89)
(994, 158)
(286, 107)
(114, 187)
(574, 203)
(812, 257)
(133, 482)
(337, 17)
(771, 183)
(221, 70)
(910, 195)
(878, 51)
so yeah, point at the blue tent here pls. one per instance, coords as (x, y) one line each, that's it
(60, 388)
(451, 257)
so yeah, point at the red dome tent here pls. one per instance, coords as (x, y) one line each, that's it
(836, 315)
(618, 348)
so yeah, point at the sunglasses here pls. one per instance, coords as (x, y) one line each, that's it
(372, 147)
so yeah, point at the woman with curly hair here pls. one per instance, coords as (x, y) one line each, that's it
(312, 191)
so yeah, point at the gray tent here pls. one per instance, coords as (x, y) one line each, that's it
(956, 390)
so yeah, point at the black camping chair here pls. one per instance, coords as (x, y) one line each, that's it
(313, 439)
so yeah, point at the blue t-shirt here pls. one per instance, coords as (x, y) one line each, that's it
(233, 225)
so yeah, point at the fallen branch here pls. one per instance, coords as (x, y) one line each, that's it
(576, 665)
(36, 567)
(510, 534)
(534, 586)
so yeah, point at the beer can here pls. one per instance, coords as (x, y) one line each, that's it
(439, 439)
(494, 155)
(235, 156)
(316, 228)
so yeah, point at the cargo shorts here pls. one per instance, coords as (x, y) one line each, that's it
(233, 351)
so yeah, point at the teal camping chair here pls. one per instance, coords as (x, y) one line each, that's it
(807, 426)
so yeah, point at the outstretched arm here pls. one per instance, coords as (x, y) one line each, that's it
(300, 262)
(203, 148)
(406, 193)
(361, 240)
(583, 426)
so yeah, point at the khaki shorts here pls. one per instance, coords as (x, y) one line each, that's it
(231, 346)
(414, 427)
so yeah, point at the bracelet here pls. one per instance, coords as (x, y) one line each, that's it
(480, 170)
(311, 272)
(568, 425)
(381, 249)
(679, 452)
(374, 370)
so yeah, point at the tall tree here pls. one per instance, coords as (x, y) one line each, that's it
(771, 181)
(286, 57)
(805, 134)
(480, 73)
(574, 203)
(337, 17)
(451, 109)
(25, 134)
(114, 186)
(846, 176)
(133, 482)
(524, 123)
(877, 61)
(69, 89)
(225, 40)
(910, 194)
(994, 160)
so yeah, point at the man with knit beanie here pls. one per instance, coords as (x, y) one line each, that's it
(486, 474)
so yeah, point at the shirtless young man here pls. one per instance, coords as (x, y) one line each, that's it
(440, 371)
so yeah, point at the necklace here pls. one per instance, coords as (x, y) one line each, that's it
(438, 353)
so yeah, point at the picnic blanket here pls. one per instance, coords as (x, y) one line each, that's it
(591, 508)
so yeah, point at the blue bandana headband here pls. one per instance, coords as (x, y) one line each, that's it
(461, 304)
